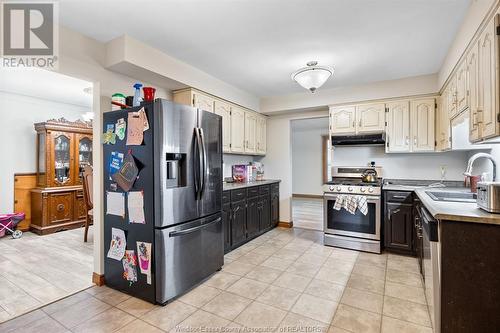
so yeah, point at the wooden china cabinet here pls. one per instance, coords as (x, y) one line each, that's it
(63, 149)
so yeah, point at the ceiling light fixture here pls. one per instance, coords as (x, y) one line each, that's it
(312, 77)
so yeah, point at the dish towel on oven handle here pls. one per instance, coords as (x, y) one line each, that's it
(362, 204)
(351, 203)
(339, 202)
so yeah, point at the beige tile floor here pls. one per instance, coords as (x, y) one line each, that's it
(37, 270)
(312, 287)
(307, 213)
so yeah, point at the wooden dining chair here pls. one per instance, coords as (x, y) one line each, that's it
(87, 197)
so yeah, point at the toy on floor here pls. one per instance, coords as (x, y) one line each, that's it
(8, 222)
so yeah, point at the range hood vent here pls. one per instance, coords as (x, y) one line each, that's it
(359, 140)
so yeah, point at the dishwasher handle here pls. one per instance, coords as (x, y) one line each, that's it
(430, 225)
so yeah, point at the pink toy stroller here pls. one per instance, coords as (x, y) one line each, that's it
(8, 222)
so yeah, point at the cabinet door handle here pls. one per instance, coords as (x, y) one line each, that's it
(353, 123)
(407, 140)
(415, 140)
(396, 211)
(359, 123)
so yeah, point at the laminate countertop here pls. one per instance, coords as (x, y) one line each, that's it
(234, 186)
(455, 211)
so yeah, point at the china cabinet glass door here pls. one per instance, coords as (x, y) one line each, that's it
(84, 154)
(62, 159)
(41, 168)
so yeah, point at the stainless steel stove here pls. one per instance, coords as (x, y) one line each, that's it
(353, 231)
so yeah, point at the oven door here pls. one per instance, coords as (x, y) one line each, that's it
(341, 222)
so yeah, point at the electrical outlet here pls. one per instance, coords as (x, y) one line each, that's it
(443, 172)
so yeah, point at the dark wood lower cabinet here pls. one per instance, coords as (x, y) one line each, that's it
(247, 213)
(264, 212)
(399, 224)
(253, 213)
(238, 222)
(275, 208)
(226, 225)
(399, 227)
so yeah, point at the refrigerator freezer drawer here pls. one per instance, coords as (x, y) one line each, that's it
(187, 254)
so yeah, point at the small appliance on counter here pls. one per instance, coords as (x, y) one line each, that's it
(247, 173)
(240, 173)
(488, 196)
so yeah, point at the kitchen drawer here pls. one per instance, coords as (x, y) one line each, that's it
(226, 197)
(265, 189)
(399, 196)
(239, 194)
(252, 192)
(275, 187)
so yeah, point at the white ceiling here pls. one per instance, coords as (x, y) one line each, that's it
(256, 44)
(45, 84)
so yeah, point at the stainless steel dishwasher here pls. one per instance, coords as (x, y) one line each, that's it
(432, 267)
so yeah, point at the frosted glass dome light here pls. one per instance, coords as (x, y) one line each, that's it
(312, 77)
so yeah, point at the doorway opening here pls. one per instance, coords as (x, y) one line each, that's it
(47, 145)
(310, 170)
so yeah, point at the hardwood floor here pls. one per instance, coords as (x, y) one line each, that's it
(307, 213)
(37, 270)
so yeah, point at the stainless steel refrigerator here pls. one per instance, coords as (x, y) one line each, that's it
(180, 174)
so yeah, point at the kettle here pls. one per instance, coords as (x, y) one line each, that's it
(369, 176)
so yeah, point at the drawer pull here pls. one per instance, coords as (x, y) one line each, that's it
(60, 207)
(399, 196)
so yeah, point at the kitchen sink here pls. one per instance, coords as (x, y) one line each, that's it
(452, 196)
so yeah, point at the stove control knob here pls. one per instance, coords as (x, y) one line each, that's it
(350, 189)
(370, 190)
(362, 189)
(331, 188)
(339, 188)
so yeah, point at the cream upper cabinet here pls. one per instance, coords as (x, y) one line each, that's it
(473, 101)
(243, 131)
(422, 124)
(462, 87)
(237, 130)
(452, 97)
(343, 120)
(223, 109)
(260, 134)
(195, 99)
(442, 120)
(370, 118)
(398, 127)
(487, 87)
(250, 132)
(203, 102)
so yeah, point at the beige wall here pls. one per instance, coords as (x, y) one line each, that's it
(426, 84)
(278, 159)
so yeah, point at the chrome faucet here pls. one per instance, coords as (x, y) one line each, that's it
(468, 171)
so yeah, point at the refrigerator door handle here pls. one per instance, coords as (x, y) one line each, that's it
(204, 164)
(194, 229)
(196, 164)
(200, 164)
